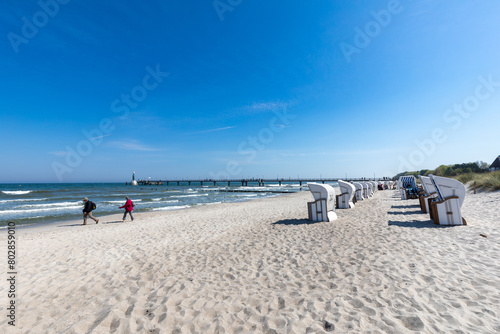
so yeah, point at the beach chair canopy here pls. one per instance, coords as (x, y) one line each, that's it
(446, 208)
(427, 184)
(366, 189)
(446, 187)
(323, 208)
(323, 191)
(359, 191)
(344, 199)
(346, 187)
(429, 191)
(407, 181)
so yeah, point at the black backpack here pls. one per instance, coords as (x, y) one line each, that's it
(93, 206)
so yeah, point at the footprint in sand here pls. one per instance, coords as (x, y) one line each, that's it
(412, 323)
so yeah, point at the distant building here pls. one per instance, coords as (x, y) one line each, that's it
(496, 164)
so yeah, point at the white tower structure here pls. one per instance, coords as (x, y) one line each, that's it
(133, 182)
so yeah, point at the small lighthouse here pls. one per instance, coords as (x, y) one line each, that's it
(133, 182)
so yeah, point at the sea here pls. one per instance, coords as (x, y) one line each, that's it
(42, 203)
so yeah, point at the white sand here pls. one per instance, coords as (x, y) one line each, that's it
(261, 267)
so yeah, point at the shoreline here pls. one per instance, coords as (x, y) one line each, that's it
(260, 266)
(54, 204)
(117, 217)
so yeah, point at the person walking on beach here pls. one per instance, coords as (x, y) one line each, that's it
(87, 211)
(129, 207)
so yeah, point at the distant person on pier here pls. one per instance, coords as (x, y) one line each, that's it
(87, 211)
(129, 207)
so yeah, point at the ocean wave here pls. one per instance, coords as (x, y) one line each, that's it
(22, 200)
(169, 208)
(118, 202)
(169, 201)
(53, 205)
(198, 195)
(153, 202)
(17, 192)
(5, 212)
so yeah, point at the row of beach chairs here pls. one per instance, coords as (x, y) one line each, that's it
(440, 197)
(326, 201)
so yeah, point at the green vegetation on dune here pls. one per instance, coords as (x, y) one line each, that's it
(486, 181)
(466, 173)
(451, 170)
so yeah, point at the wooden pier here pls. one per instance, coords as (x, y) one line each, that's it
(246, 182)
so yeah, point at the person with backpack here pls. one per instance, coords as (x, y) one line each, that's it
(129, 207)
(87, 211)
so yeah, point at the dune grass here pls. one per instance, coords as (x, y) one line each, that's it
(485, 181)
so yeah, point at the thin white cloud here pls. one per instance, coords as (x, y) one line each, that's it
(213, 130)
(265, 107)
(131, 146)
(99, 137)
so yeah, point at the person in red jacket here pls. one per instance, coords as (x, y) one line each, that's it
(129, 207)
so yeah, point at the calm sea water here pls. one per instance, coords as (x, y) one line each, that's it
(27, 204)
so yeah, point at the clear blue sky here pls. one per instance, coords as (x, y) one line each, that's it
(94, 90)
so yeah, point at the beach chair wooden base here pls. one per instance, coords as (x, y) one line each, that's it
(359, 194)
(446, 211)
(317, 211)
(342, 201)
(424, 201)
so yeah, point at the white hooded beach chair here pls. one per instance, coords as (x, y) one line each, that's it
(429, 191)
(399, 187)
(347, 190)
(446, 208)
(370, 189)
(323, 208)
(407, 186)
(359, 191)
(366, 189)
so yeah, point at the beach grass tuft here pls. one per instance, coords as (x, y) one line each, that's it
(485, 181)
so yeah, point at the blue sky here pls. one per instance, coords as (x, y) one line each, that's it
(92, 91)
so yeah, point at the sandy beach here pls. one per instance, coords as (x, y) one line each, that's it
(260, 267)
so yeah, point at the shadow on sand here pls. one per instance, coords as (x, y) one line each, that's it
(90, 224)
(405, 206)
(404, 212)
(416, 224)
(295, 222)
